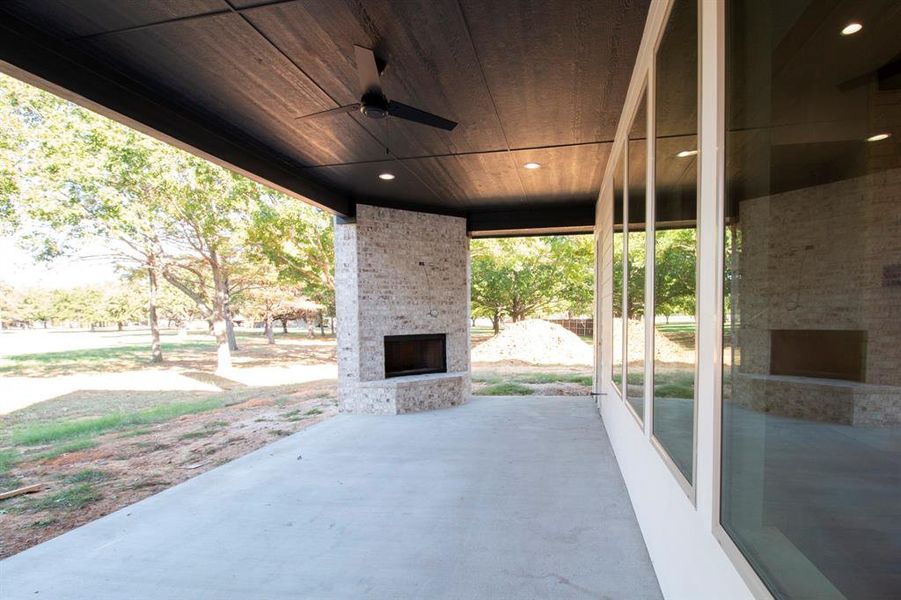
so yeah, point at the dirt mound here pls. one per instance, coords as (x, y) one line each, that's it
(534, 342)
(665, 349)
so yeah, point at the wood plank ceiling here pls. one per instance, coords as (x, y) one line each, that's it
(527, 81)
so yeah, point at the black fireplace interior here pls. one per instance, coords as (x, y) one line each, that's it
(415, 354)
(832, 354)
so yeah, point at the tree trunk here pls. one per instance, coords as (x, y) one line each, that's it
(229, 325)
(270, 338)
(284, 325)
(156, 350)
(220, 328)
(496, 323)
(119, 326)
(321, 325)
(230, 332)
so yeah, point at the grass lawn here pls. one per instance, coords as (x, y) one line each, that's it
(524, 381)
(506, 389)
(71, 498)
(116, 358)
(95, 450)
(668, 383)
(674, 383)
(481, 330)
(58, 431)
(291, 335)
(676, 327)
(536, 377)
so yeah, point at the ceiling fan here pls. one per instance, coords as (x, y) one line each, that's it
(373, 102)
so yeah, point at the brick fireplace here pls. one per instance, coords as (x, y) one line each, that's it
(402, 285)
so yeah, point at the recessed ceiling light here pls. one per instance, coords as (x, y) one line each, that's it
(386, 176)
(879, 137)
(686, 153)
(851, 28)
(532, 165)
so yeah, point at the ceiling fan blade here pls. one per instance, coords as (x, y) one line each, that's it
(408, 113)
(367, 70)
(331, 111)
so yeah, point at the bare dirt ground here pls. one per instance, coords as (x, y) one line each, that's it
(510, 378)
(531, 357)
(525, 359)
(91, 474)
(536, 342)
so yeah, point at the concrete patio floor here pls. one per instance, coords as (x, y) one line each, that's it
(498, 498)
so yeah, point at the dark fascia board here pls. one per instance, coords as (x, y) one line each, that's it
(565, 218)
(510, 233)
(61, 69)
(447, 211)
(572, 219)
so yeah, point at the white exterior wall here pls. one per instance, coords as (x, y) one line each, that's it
(693, 557)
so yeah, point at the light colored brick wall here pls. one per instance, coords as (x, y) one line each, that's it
(815, 258)
(399, 273)
(347, 309)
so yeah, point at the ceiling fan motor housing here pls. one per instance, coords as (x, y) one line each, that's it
(374, 105)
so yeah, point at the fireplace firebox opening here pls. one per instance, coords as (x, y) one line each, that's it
(415, 354)
(824, 353)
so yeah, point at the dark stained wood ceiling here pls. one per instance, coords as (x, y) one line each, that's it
(526, 81)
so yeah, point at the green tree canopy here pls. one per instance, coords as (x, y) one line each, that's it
(299, 241)
(69, 176)
(675, 259)
(522, 277)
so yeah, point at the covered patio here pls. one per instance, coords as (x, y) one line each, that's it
(417, 125)
(753, 143)
(506, 497)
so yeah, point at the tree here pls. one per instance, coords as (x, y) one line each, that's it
(263, 304)
(490, 282)
(124, 304)
(68, 176)
(635, 283)
(10, 305)
(81, 176)
(208, 230)
(516, 277)
(299, 241)
(574, 258)
(267, 303)
(84, 306)
(674, 268)
(36, 306)
(674, 271)
(176, 308)
(164, 213)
